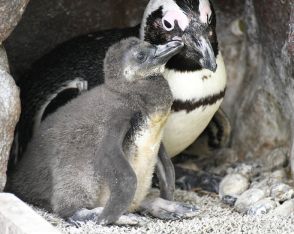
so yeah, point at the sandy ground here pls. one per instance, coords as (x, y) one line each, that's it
(214, 217)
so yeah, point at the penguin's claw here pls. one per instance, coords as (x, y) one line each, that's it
(83, 216)
(72, 222)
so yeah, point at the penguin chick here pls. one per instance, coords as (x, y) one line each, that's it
(100, 150)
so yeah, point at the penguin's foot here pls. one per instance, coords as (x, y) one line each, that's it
(168, 210)
(85, 215)
(187, 179)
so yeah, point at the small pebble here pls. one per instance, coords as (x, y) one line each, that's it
(281, 192)
(263, 206)
(247, 170)
(286, 209)
(248, 198)
(262, 185)
(233, 185)
(229, 200)
(279, 174)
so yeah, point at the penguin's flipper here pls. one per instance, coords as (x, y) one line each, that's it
(115, 169)
(168, 210)
(166, 174)
(85, 215)
(219, 130)
(216, 136)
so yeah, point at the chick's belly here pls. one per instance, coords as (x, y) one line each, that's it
(183, 128)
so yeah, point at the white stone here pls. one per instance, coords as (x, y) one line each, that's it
(248, 198)
(282, 192)
(18, 218)
(263, 206)
(286, 209)
(233, 185)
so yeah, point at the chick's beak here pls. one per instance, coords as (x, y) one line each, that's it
(165, 52)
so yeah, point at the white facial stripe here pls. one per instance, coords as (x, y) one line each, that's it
(179, 16)
(168, 6)
(205, 11)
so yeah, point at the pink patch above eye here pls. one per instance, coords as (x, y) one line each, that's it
(205, 10)
(172, 16)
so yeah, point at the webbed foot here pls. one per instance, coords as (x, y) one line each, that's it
(85, 215)
(168, 210)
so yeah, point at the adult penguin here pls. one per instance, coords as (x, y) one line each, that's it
(196, 76)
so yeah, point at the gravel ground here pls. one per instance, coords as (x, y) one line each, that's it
(214, 217)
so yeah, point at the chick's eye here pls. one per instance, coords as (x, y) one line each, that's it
(141, 56)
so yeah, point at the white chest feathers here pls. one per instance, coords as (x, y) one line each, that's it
(143, 156)
(200, 94)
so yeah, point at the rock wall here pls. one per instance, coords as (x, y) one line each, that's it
(257, 41)
(264, 107)
(48, 23)
(10, 14)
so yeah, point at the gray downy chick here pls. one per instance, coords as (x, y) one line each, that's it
(100, 150)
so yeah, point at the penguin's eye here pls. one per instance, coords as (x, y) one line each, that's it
(167, 25)
(141, 56)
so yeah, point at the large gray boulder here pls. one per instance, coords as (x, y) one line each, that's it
(9, 114)
(18, 218)
(265, 105)
(257, 40)
(10, 13)
(46, 24)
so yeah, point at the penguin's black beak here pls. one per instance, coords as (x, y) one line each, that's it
(207, 58)
(165, 52)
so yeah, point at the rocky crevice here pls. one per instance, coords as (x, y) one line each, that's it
(10, 13)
